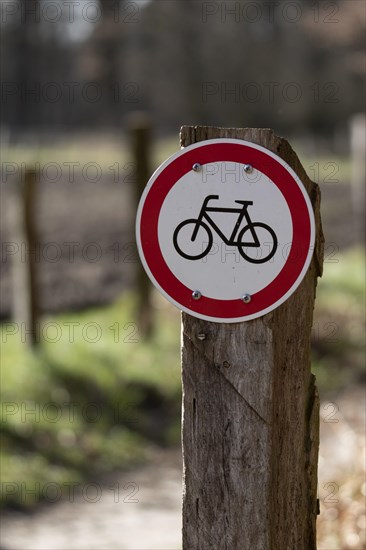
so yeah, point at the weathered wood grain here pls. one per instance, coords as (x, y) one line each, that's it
(250, 431)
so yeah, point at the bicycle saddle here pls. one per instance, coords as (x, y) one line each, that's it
(246, 203)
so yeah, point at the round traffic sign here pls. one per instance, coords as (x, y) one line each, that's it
(225, 230)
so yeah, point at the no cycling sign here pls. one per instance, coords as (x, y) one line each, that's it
(225, 230)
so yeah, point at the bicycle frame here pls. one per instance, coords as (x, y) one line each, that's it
(243, 213)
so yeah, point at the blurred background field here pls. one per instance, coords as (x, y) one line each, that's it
(98, 397)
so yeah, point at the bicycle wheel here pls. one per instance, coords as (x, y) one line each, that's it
(186, 246)
(267, 243)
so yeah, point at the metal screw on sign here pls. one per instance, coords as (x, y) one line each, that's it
(247, 298)
(196, 167)
(196, 295)
(248, 168)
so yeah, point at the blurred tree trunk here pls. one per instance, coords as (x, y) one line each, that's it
(28, 58)
(109, 47)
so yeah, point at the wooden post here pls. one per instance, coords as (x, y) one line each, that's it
(358, 172)
(24, 272)
(140, 130)
(250, 427)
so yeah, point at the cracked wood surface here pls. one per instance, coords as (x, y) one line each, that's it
(250, 427)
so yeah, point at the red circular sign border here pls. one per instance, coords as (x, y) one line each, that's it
(276, 172)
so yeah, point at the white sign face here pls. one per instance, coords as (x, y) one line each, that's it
(225, 230)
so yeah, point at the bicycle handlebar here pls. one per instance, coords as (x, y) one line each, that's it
(207, 199)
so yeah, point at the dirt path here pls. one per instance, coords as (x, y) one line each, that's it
(115, 521)
(342, 472)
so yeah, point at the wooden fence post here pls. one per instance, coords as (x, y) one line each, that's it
(140, 130)
(25, 307)
(358, 172)
(250, 427)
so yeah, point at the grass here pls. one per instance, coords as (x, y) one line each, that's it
(89, 401)
(339, 322)
(328, 170)
(106, 152)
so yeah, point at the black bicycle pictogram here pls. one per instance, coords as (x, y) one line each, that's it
(201, 232)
